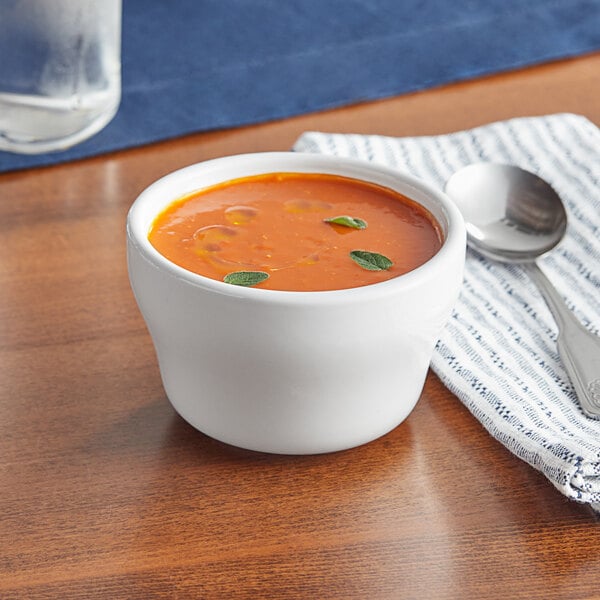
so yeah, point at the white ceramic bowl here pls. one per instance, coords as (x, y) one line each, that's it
(293, 372)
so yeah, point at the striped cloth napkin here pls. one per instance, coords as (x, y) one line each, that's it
(498, 354)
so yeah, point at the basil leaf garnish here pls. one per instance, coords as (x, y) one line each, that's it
(347, 221)
(371, 260)
(245, 278)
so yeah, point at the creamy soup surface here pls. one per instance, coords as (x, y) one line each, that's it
(296, 232)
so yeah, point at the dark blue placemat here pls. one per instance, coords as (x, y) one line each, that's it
(196, 65)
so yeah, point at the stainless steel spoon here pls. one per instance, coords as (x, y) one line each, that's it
(514, 216)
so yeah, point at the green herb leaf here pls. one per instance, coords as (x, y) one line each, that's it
(347, 221)
(245, 278)
(371, 260)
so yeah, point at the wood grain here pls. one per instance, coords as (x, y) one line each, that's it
(107, 493)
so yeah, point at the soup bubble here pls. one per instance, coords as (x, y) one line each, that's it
(213, 238)
(240, 215)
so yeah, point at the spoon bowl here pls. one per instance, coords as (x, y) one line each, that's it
(511, 215)
(514, 216)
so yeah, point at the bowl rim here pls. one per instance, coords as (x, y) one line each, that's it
(241, 165)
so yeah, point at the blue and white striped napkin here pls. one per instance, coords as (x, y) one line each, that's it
(498, 353)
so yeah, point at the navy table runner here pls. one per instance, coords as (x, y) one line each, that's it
(198, 65)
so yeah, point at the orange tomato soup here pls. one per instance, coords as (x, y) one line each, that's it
(276, 224)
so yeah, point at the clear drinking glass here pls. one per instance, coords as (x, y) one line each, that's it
(60, 71)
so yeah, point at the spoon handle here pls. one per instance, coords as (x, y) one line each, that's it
(579, 349)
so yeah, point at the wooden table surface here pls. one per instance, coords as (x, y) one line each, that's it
(106, 493)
